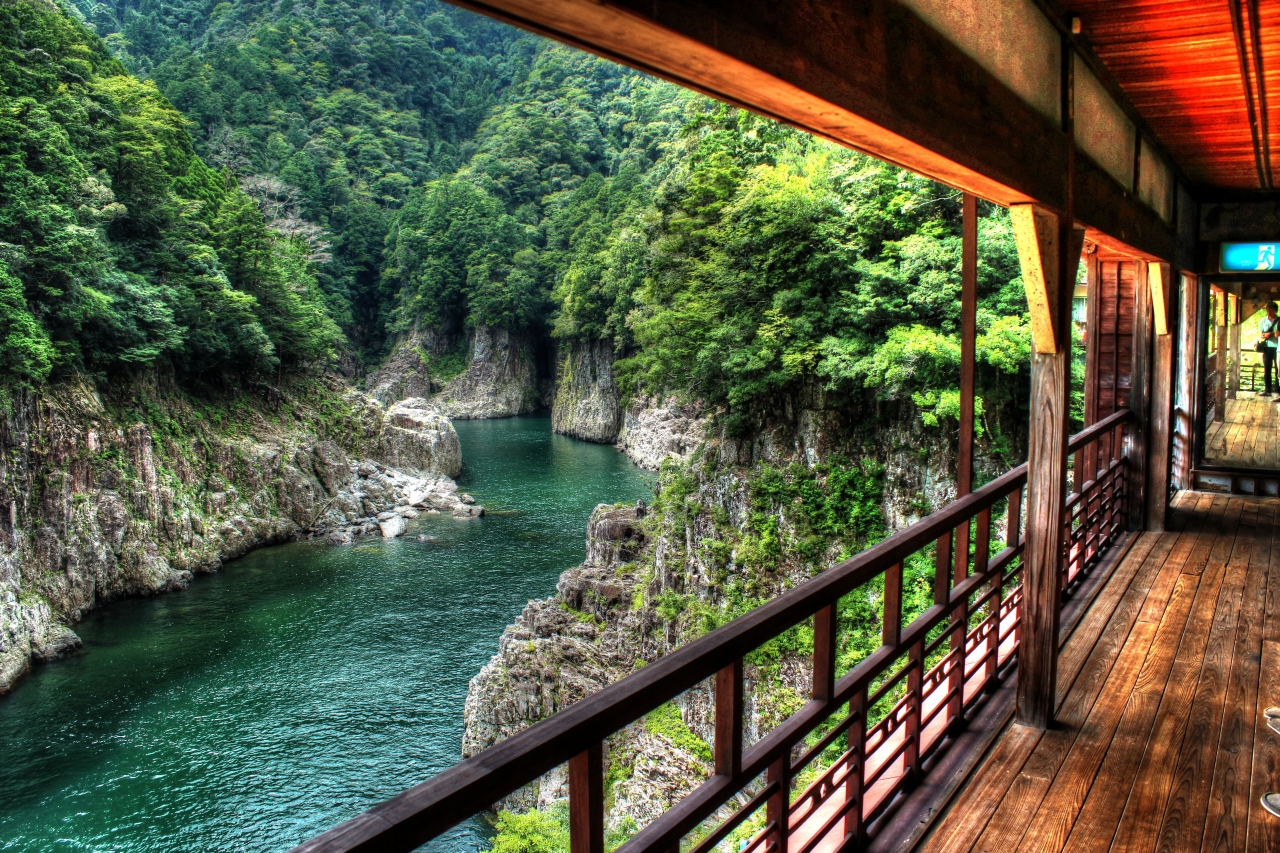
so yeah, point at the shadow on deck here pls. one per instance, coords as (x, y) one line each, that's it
(1161, 742)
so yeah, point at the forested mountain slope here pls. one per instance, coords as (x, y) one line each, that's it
(473, 178)
(165, 401)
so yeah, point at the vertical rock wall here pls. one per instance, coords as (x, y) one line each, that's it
(503, 374)
(587, 404)
(647, 571)
(96, 505)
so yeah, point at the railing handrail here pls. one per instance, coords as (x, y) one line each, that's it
(1090, 434)
(474, 784)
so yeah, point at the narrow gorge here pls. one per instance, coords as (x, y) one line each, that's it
(377, 380)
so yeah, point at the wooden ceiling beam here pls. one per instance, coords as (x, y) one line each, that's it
(868, 74)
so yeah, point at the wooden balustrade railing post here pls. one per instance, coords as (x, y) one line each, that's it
(855, 779)
(891, 627)
(778, 809)
(728, 747)
(915, 712)
(1139, 399)
(824, 653)
(981, 563)
(942, 569)
(586, 800)
(1159, 436)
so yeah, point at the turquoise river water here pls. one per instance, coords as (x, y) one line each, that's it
(303, 683)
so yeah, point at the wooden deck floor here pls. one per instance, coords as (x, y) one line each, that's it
(1249, 437)
(1161, 743)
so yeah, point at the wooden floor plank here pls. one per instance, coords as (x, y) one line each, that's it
(1263, 832)
(1228, 808)
(1009, 822)
(1247, 435)
(1056, 815)
(976, 803)
(1105, 800)
(1140, 821)
(1161, 743)
(1182, 827)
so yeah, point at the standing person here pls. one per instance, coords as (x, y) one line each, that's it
(1270, 328)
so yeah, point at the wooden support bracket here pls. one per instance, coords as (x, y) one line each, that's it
(1158, 277)
(1036, 231)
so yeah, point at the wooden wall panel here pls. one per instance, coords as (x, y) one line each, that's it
(1109, 376)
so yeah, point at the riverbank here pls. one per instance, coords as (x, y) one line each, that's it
(302, 683)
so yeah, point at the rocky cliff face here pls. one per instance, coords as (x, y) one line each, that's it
(587, 404)
(654, 431)
(97, 503)
(500, 375)
(656, 578)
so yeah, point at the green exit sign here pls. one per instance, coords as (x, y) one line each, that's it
(1248, 257)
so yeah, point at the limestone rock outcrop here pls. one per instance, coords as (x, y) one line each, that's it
(500, 376)
(95, 507)
(417, 438)
(501, 381)
(587, 404)
(653, 431)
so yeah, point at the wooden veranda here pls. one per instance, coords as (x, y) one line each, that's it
(1093, 677)
(1160, 741)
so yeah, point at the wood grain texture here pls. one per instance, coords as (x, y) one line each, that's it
(1160, 742)
(1139, 398)
(1228, 810)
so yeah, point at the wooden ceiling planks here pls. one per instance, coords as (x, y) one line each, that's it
(1177, 62)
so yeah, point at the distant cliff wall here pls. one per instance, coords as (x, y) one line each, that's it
(132, 495)
(482, 373)
(587, 404)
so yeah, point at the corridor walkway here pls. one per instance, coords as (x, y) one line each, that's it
(1161, 743)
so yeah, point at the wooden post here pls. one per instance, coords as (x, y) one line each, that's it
(854, 786)
(968, 353)
(778, 807)
(964, 456)
(824, 654)
(1048, 250)
(1233, 345)
(1185, 418)
(586, 801)
(1220, 359)
(1093, 323)
(728, 752)
(1160, 427)
(1049, 253)
(1139, 397)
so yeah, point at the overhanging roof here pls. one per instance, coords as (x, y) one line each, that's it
(1190, 68)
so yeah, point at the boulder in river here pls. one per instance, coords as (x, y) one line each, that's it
(393, 527)
(418, 439)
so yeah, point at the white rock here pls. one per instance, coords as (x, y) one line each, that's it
(393, 527)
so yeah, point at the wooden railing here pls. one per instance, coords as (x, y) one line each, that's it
(883, 721)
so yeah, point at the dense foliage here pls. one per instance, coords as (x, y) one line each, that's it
(456, 173)
(349, 105)
(118, 245)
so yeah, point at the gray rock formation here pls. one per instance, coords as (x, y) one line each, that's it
(653, 431)
(657, 579)
(501, 381)
(93, 508)
(587, 404)
(416, 437)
